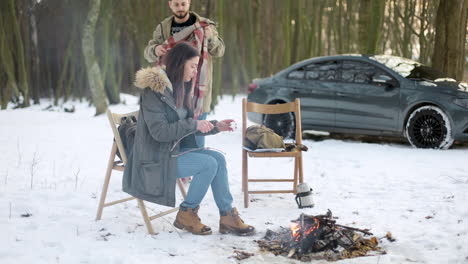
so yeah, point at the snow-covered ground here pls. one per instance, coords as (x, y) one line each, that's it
(52, 169)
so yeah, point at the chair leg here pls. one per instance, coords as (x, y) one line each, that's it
(182, 189)
(146, 217)
(243, 167)
(296, 174)
(301, 170)
(110, 166)
(245, 177)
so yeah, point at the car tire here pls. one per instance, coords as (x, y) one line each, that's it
(282, 124)
(429, 127)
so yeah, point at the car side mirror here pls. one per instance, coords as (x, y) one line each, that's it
(384, 79)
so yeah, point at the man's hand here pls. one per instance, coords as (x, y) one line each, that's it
(225, 125)
(204, 126)
(208, 32)
(160, 51)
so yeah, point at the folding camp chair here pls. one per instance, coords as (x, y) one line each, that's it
(115, 120)
(296, 153)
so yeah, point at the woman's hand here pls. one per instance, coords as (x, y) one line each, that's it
(225, 125)
(204, 126)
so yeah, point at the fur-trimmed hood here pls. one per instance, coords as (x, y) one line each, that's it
(154, 78)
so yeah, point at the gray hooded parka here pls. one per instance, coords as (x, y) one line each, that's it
(151, 169)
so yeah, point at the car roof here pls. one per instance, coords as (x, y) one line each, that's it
(360, 57)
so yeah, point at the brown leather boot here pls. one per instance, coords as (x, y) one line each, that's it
(187, 219)
(232, 223)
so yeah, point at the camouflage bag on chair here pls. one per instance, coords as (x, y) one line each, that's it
(262, 137)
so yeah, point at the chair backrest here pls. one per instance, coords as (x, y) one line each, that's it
(292, 107)
(115, 120)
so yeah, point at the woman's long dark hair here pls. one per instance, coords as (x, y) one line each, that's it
(175, 61)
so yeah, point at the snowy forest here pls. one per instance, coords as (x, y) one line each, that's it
(47, 46)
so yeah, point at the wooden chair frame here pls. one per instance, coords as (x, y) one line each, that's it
(115, 120)
(293, 107)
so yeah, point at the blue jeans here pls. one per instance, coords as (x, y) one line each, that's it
(207, 167)
(201, 139)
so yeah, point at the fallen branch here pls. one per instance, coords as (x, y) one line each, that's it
(365, 231)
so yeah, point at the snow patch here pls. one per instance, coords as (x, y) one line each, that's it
(417, 194)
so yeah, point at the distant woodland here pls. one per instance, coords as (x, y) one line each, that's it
(90, 49)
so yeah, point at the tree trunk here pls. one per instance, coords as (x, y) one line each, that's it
(35, 62)
(329, 34)
(287, 32)
(364, 21)
(20, 57)
(350, 27)
(449, 47)
(8, 22)
(320, 15)
(109, 45)
(371, 15)
(297, 7)
(407, 19)
(427, 32)
(338, 28)
(92, 68)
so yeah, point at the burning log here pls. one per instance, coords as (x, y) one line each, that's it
(319, 237)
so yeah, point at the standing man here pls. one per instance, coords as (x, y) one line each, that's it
(185, 25)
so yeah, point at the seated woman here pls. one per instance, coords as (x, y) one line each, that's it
(165, 147)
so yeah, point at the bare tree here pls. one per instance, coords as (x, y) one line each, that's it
(96, 85)
(450, 38)
(371, 14)
(34, 52)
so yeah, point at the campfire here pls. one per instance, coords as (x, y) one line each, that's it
(319, 237)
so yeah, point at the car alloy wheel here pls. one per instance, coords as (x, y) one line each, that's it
(282, 124)
(429, 127)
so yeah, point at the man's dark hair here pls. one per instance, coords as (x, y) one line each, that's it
(175, 61)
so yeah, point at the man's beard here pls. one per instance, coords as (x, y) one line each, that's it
(180, 16)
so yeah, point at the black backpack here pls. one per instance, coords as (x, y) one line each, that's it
(127, 131)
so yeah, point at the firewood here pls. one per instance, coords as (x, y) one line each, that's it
(319, 237)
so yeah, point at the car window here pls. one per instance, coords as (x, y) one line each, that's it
(297, 74)
(322, 71)
(360, 72)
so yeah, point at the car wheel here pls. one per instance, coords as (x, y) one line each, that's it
(282, 124)
(429, 127)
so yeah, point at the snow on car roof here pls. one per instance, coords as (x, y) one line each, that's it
(401, 65)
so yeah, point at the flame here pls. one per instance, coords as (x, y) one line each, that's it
(296, 228)
(314, 227)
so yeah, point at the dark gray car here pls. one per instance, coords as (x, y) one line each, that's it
(368, 95)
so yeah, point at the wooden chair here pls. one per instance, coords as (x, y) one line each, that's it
(293, 107)
(115, 120)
